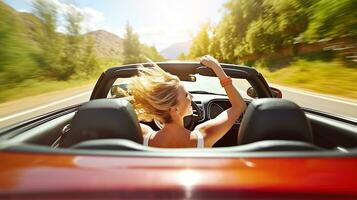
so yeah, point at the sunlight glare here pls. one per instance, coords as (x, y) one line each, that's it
(188, 178)
(178, 20)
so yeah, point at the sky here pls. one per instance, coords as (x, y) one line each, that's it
(157, 22)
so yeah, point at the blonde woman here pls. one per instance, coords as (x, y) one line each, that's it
(159, 95)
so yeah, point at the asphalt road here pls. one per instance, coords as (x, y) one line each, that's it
(330, 104)
(22, 109)
(19, 110)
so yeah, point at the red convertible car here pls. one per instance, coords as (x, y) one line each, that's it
(276, 150)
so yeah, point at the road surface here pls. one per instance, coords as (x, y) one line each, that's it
(19, 110)
(26, 108)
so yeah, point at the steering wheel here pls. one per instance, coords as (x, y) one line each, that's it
(192, 120)
(189, 121)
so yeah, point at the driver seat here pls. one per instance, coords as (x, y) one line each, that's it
(103, 119)
(274, 119)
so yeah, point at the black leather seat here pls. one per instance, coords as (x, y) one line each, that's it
(274, 119)
(111, 124)
(103, 119)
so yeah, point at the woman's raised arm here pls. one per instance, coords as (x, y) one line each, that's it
(214, 129)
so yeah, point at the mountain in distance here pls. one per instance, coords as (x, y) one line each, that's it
(107, 45)
(174, 50)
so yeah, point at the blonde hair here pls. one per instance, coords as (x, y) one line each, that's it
(153, 93)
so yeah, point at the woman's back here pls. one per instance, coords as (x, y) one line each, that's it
(174, 139)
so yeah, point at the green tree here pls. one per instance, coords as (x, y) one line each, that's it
(131, 46)
(200, 43)
(231, 30)
(332, 19)
(90, 63)
(214, 48)
(151, 52)
(16, 60)
(262, 37)
(182, 56)
(255, 26)
(49, 40)
(73, 45)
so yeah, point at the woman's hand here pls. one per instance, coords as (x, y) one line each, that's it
(210, 62)
(213, 64)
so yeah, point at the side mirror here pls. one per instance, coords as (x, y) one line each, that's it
(251, 92)
(276, 93)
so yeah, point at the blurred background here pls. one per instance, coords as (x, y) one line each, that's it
(53, 51)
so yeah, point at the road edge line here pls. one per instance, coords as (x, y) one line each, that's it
(42, 107)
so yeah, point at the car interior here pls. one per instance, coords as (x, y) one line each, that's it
(110, 125)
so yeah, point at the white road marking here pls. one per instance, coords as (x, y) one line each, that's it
(44, 106)
(313, 95)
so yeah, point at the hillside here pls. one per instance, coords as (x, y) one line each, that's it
(107, 45)
(174, 50)
(32, 27)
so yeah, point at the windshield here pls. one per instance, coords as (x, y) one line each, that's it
(202, 85)
(212, 85)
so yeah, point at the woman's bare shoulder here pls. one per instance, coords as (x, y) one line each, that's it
(145, 129)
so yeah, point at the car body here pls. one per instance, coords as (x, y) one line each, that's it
(36, 166)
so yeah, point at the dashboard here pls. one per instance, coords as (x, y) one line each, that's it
(213, 105)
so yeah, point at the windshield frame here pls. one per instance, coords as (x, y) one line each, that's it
(108, 77)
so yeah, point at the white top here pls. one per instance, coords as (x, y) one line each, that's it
(200, 142)
(148, 136)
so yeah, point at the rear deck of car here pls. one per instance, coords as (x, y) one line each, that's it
(46, 176)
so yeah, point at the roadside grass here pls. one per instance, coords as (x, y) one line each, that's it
(325, 77)
(35, 87)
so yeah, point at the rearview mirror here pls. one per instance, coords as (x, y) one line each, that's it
(190, 78)
(118, 90)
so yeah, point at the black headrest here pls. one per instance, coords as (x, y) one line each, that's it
(103, 119)
(274, 119)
